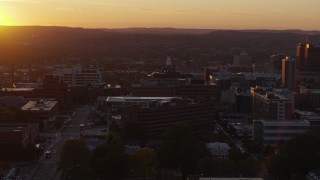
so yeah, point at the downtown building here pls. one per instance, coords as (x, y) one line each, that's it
(22, 134)
(42, 111)
(274, 132)
(155, 114)
(78, 75)
(171, 83)
(53, 88)
(270, 105)
(156, 120)
(288, 73)
(308, 56)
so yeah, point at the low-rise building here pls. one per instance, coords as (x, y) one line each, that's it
(240, 130)
(312, 117)
(41, 109)
(12, 101)
(44, 112)
(272, 132)
(22, 134)
(218, 150)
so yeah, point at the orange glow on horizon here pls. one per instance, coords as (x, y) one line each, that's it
(211, 14)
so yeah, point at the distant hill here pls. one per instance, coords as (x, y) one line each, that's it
(202, 31)
(25, 44)
(162, 31)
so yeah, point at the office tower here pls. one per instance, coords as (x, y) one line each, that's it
(276, 61)
(308, 57)
(288, 73)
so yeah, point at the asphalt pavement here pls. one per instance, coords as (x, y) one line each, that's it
(47, 168)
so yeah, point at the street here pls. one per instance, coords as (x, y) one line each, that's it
(48, 167)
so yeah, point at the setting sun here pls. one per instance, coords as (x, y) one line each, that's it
(3, 18)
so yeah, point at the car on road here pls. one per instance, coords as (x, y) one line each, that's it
(47, 154)
(82, 126)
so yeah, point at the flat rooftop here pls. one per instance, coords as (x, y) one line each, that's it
(271, 96)
(290, 123)
(17, 89)
(131, 98)
(40, 105)
(16, 127)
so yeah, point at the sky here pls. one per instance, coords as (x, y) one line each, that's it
(200, 14)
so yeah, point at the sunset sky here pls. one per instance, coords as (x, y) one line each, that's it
(215, 14)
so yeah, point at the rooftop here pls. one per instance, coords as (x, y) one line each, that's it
(290, 123)
(131, 98)
(218, 145)
(40, 105)
(17, 89)
(16, 127)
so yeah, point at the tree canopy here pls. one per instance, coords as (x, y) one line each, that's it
(110, 160)
(180, 149)
(297, 157)
(144, 162)
(75, 153)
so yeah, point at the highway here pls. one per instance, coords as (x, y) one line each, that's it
(48, 167)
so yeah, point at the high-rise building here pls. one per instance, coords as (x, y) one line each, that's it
(308, 57)
(276, 61)
(288, 72)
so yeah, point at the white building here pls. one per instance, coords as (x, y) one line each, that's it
(272, 132)
(219, 150)
(79, 75)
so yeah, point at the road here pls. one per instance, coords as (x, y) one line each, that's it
(47, 168)
(238, 144)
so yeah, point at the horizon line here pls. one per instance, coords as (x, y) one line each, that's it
(164, 27)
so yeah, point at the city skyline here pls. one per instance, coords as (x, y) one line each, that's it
(204, 14)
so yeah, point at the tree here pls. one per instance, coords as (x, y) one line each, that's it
(249, 167)
(110, 160)
(135, 132)
(215, 167)
(304, 152)
(180, 149)
(144, 162)
(297, 158)
(75, 158)
(279, 166)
